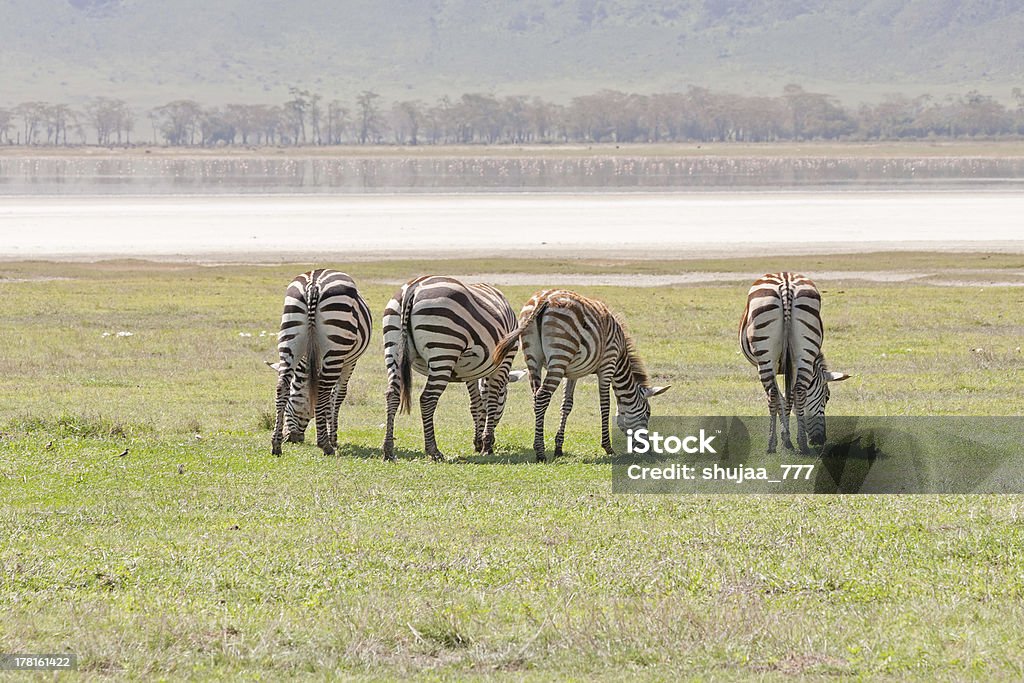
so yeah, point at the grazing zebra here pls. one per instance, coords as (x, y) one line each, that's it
(573, 336)
(447, 330)
(781, 333)
(325, 328)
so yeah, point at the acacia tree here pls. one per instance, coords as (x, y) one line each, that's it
(179, 121)
(369, 116)
(337, 121)
(406, 120)
(111, 119)
(32, 115)
(243, 120)
(6, 119)
(58, 117)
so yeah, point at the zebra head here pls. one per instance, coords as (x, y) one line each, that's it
(632, 388)
(634, 412)
(502, 395)
(816, 397)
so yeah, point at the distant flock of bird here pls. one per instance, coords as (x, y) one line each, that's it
(450, 331)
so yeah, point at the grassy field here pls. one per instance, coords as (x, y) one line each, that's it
(199, 555)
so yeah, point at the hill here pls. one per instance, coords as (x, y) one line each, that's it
(149, 52)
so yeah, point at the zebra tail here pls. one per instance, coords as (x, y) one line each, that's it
(506, 342)
(787, 323)
(312, 348)
(404, 360)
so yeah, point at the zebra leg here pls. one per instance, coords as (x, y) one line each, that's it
(392, 397)
(338, 397)
(534, 364)
(284, 384)
(604, 382)
(801, 425)
(766, 372)
(495, 395)
(476, 408)
(437, 381)
(540, 406)
(324, 409)
(570, 387)
(784, 412)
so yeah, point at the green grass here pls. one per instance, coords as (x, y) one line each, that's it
(199, 555)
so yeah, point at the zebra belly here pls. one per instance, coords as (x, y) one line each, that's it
(474, 364)
(581, 366)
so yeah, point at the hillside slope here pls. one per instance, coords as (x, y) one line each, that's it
(148, 51)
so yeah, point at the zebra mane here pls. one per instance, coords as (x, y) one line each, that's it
(636, 365)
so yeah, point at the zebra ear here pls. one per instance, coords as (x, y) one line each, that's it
(276, 366)
(837, 377)
(516, 375)
(654, 391)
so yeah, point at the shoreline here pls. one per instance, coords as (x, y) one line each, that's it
(278, 229)
(999, 149)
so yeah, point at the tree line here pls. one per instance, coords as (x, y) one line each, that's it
(699, 114)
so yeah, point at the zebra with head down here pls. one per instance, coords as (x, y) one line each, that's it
(325, 328)
(781, 333)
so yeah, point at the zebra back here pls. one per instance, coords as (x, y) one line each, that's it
(434, 316)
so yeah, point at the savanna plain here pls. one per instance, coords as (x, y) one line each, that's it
(199, 555)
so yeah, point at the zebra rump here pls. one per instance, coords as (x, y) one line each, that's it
(781, 333)
(446, 330)
(325, 328)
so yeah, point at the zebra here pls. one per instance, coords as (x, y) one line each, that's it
(781, 333)
(447, 330)
(325, 328)
(573, 336)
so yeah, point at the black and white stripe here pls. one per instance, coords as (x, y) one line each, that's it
(447, 330)
(325, 328)
(781, 333)
(573, 336)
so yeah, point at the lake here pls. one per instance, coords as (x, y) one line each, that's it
(294, 174)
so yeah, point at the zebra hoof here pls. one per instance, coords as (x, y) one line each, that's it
(541, 457)
(275, 449)
(608, 450)
(478, 445)
(328, 449)
(437, 456)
